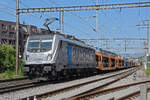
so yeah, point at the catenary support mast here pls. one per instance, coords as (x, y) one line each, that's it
(17, 35)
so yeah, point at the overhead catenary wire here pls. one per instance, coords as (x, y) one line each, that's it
(3, 7)
(89, 24)
(52, 2)
(13, 15)
(25, 5)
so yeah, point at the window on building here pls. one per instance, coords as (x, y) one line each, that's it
(13, 27)
(11, 34)
(3, 26)
(9, 27)
(4, 32)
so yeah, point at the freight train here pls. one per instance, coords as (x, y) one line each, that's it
(48, 57)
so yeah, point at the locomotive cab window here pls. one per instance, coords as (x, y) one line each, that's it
(39, 44)
(45, 45)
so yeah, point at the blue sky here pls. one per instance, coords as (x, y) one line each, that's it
(111, 23)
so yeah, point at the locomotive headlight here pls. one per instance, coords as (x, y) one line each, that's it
(49, 57)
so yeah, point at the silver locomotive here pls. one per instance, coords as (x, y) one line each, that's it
(48, 57)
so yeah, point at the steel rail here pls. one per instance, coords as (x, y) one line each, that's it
(13, 79)
(134, 94)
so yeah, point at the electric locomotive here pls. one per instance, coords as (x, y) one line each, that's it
(48, 57)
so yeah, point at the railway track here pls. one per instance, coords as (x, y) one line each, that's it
(132, 95)
(67, 89)
(19, 84)
(9, 85)
(95, 91)
(110, 91)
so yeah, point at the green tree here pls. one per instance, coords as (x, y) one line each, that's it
(8, 62)
(2, 59)
(7, 58)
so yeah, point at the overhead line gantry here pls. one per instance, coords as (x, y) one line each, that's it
(85, 8)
